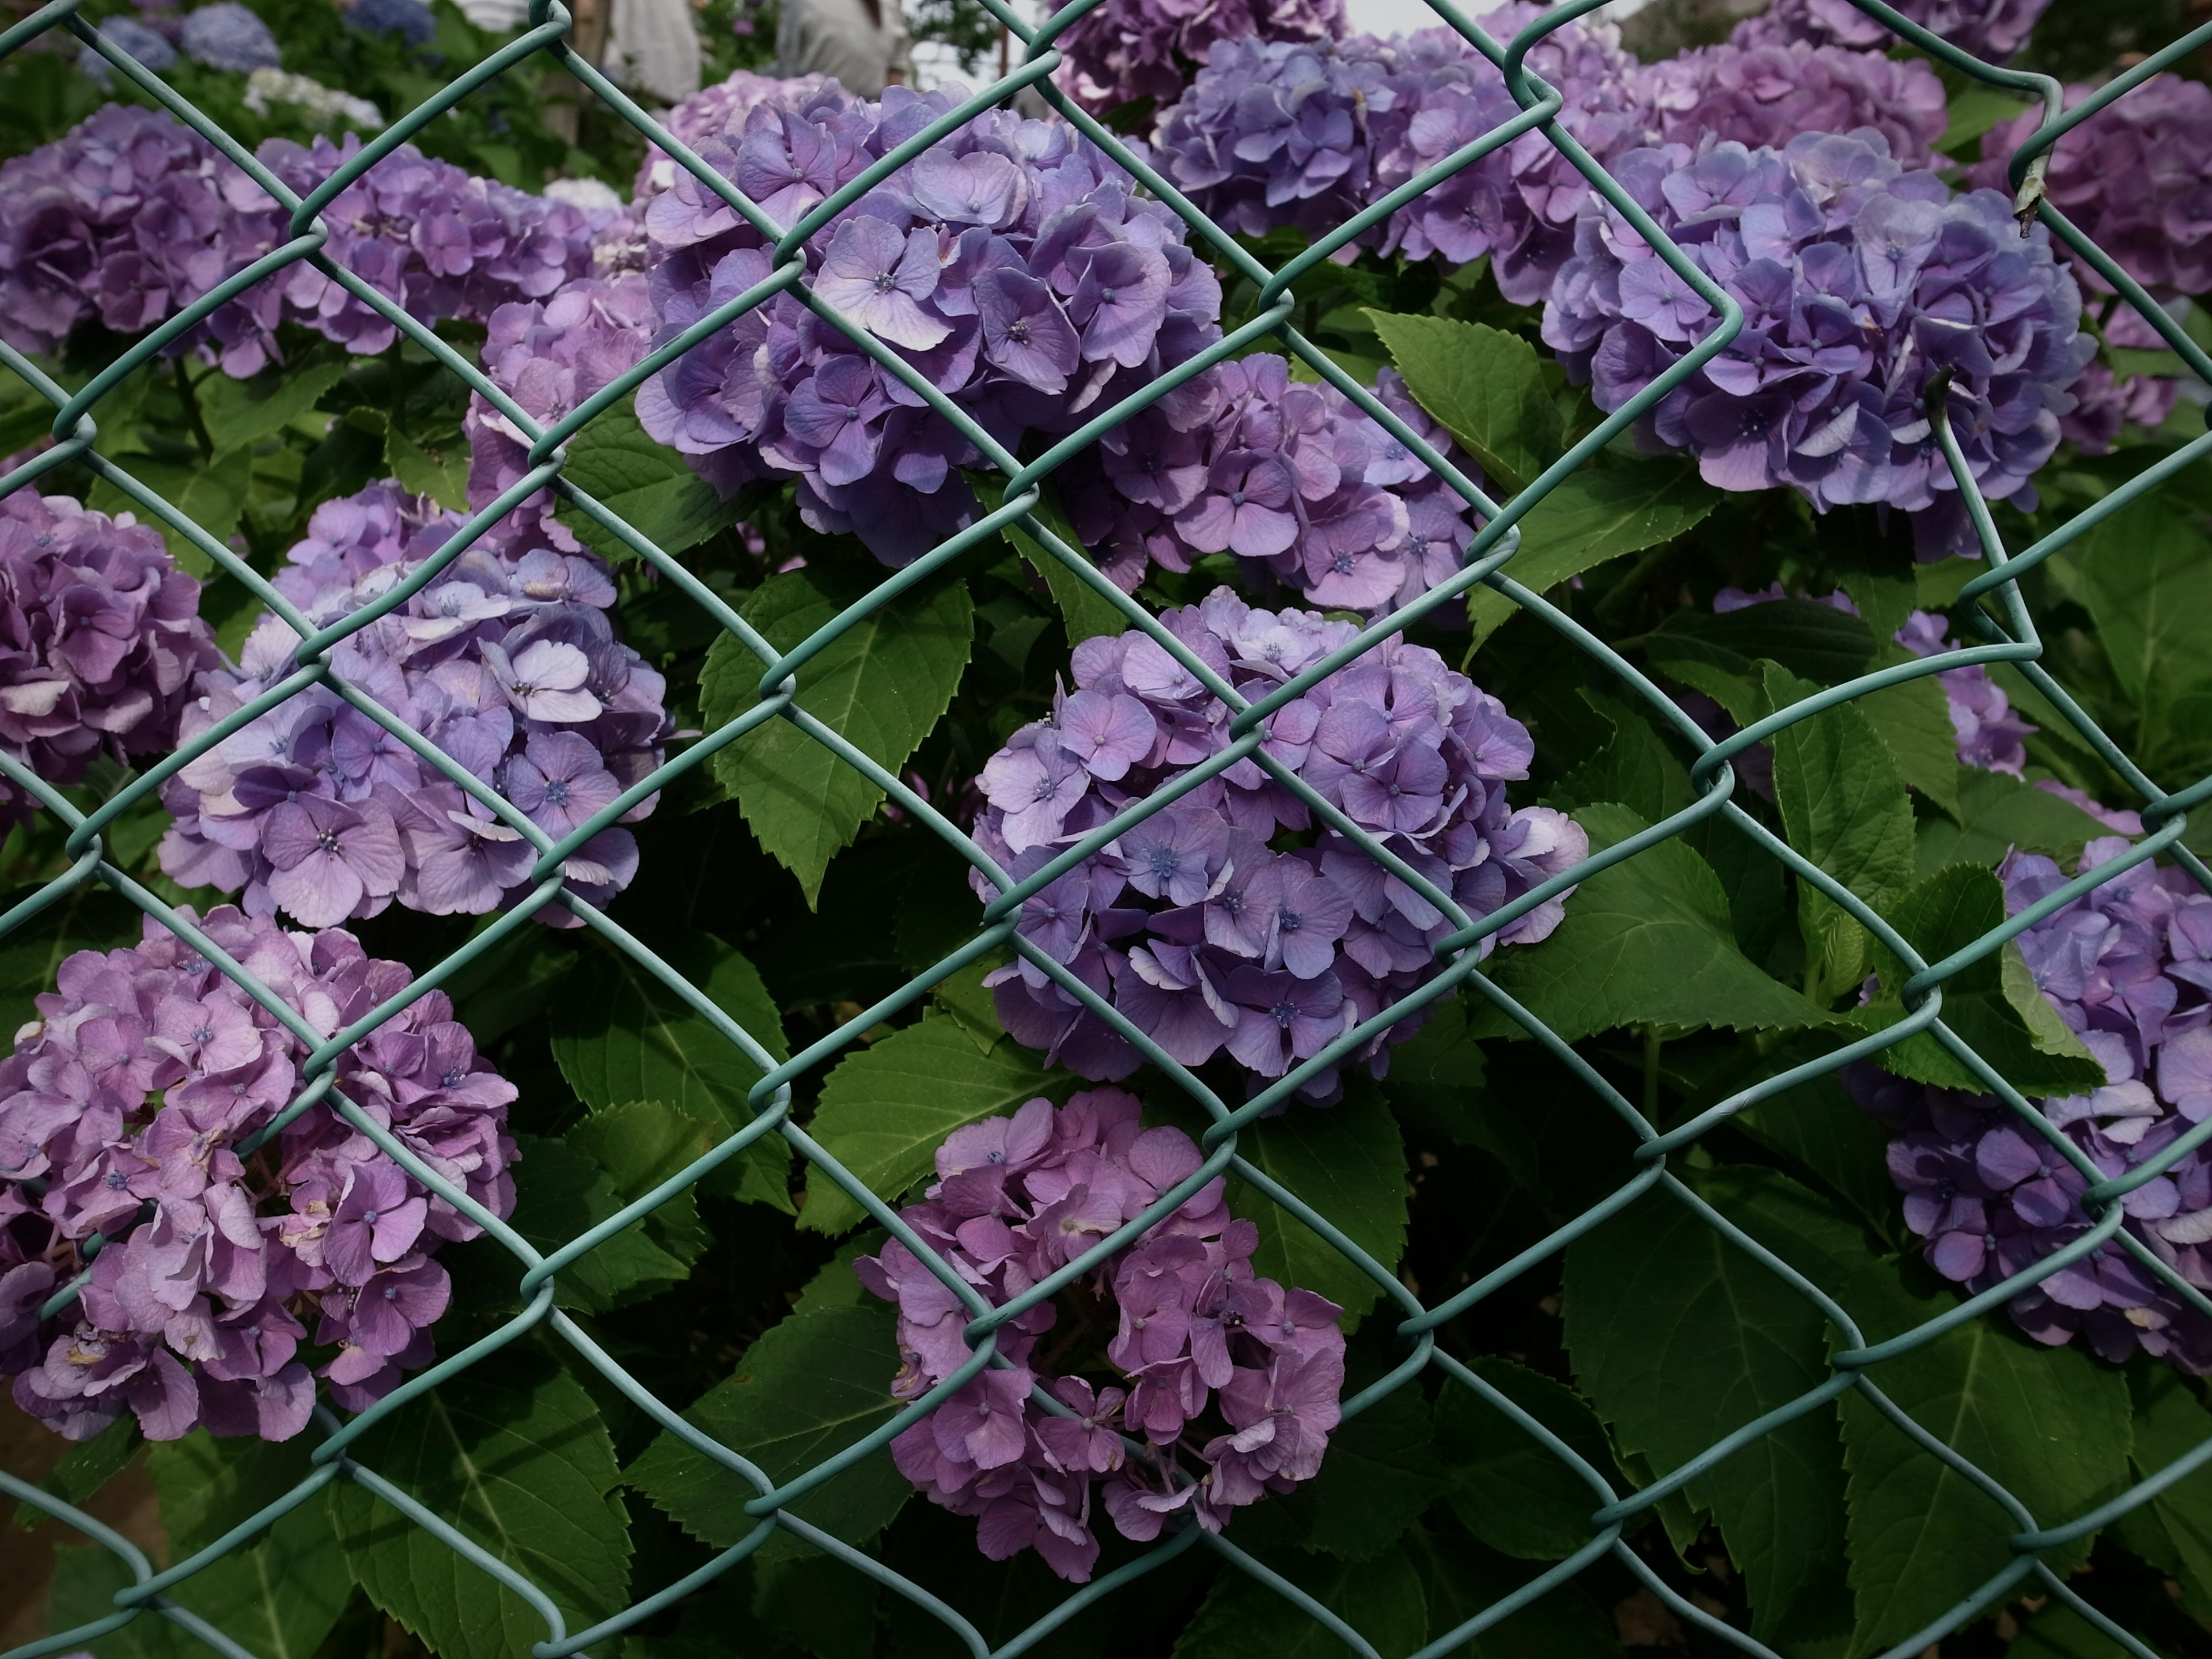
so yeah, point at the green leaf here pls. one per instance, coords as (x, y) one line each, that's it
(246, 411)
(2173, 1531)
(642, 1145)
(1948, 911)
(1647, 942)
(1828, 1136)
(2050, 1424)
(1243, 1619)
(1997, 813)
(212, 497)
(814, 1384)
(1636, 768)
(2145, 577)
(1485, 385)
(887, 1108)
(83, 1589)
(441, 472)
(1843, 806)
(882, 685)
(1084, 612)
(620, 1035)
(1913, 719)
(513, 1453)
(1509, 1489)
(1380, 1471)
(1461, 1578)
(1975, 108)
(1681, 1337)
(207, 1486)
(1599, 513)
(86, 1468)
(1436, 1087)
(1814, 641)
(561, 1193)
(643, 482)
(1349, 1164)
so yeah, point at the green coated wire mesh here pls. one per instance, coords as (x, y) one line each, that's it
(2002, 617)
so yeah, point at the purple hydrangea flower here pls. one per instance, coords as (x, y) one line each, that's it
(2128, 968)
(127, 1098)
(1194, 924)
(151, 50)
(1231, 1371)
(100, 640)
(1991, 29)
(230, 36)
(1860, 282)
(410, 20)
(1124, 50)
(1768, 94)
(1988, 729)
(130, 216)
(506, 662)
(711, 111)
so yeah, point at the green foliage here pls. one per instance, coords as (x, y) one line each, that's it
(2173, 1531)
(513, 1453)
(87, 1466)
(887, 1108)
(812, 1386)
(1348, 1163)
(1246, 1618)
(1487, 388)
(1380, 1471)
(1460, 1579)
(2147, 581)
(645, 484)
(1508, 1488)
(881, 685)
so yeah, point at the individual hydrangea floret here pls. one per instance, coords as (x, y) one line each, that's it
(507, 661)
(1228, 1381)
(1768, 94)
(1291, 477)
(1124, 50)
(129, 35)
(230, 36)
(2128, 968)
(121, 1111)
(410, 20)
(1013, 264)
(1196, 925)
(1860, 283)
(130, 216)
(100, 639)
(1990, 29)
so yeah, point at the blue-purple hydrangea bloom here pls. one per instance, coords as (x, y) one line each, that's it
(1860, 282)
(1766, 95)
(230, 36)
(1124, 50)
(1993, 29)
(1192, 924)
(100, 639)
(1226, 1371)
(2128, 968)
(129, 1095)
(130, 35)
(506, 661)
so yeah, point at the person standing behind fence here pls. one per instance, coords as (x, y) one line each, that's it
(861, 43)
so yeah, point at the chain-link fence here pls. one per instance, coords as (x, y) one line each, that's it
(1857, 1365)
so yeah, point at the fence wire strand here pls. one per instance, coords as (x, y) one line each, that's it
(1998, 611)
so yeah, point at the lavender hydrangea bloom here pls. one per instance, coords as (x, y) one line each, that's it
(2127, 969)
(711, 111)
(1288, 476)
(1012, 265)
(133, 37)
(1768, 94)
(549, 358)
(230, 36)
(1124, 50)
(506, 662)
(1200, 1337)
(1992, 30)
(1988, 729)
(130, 216)
(410, 20)
(1860, 282)
(127, 1098)
(2138, 178)
(1192, 924)
(100, 640)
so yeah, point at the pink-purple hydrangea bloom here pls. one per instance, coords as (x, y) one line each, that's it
(1992, 30)
(1228, 1382)
(120, 1113)
(1192, 924)
(506, 661)
(1766, 95)
(1124, 50)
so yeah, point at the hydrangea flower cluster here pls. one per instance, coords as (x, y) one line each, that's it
(1767, 95)
(230, 36)
(131, 217)
(266, 87)
(1991, 29)
(1013, 264)
(2134, 178)
(100, 640)
(1192, 924)
(506, 662)
(2128, 968)
(1124, 50)
(410, 20)
(120, 1111)
(1860, 282)
(1291, 477)
(132, 36)
(709, 112)
(1194, 1330)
